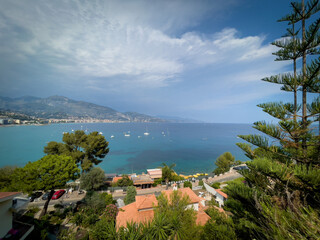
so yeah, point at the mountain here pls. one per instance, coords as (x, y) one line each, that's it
(60, 107)
(179, 119)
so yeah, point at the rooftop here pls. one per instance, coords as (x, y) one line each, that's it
(142, 209)
(221, 193)
(4, 196)
(146, 201)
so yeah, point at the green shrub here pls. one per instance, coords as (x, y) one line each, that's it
(216, 185)
(108, 198)
(187, 184)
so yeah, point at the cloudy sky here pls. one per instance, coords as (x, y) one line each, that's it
(188, 58)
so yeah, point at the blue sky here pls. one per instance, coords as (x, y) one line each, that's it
(194, 59)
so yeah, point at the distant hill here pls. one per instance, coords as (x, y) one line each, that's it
(179, 119)
(60, 107)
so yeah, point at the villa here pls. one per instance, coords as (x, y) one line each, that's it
(142, 210)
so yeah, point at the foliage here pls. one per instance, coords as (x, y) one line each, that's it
(216, 185)
(173, 213)
(93, 179)
(131, 195)
(219, 226)
(200, 183)
(85, 149)
(224, 162)
(124, 181)
(6, 178)
(187, 184)
(176, 177)
(108, 198)
(95, 201)
(280, 196)
(167, 173)
(47, 174)
(111, 212)
(104, 229)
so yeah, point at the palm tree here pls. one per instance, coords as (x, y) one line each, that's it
(167, 172)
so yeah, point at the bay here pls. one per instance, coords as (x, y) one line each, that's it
(193, 147)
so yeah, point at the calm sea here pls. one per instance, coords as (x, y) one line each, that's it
(193, 147)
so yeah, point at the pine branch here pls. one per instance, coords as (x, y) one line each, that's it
(269, 129)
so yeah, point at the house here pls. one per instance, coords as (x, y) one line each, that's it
(139, 211)
(142, 209)
(155, 173)
(116, 179)
(10, 204)
(142, 181)
(221, 197)
(109, 177)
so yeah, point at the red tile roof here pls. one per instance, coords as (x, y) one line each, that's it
(7, 195)
(142, 209)
(116, 179)
(222, 193)
(185, 191)
(131, 213)
(146, 201)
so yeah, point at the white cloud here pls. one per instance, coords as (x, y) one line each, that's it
(121, 42)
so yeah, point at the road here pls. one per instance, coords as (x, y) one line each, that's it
(64, 200)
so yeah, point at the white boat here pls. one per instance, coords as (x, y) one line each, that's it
(100, 133)
(146, 133)
(127, 135)
(112, 136)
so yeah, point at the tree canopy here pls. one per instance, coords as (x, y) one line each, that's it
(131, 195)
(86, 149)
(47, 174)
(93, 179)
(224, 162)
(281, 194)
(167, 172)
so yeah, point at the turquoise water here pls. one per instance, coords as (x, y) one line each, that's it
(193, 147)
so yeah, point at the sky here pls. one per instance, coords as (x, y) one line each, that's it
(197, 59)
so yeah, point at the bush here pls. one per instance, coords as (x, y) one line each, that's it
(103, 229)
(131, 195)
(32, 211)
(187, 184)
(58, 206)
(95, 201)
(124, 182)
(92, 180)
(111, 212)
(216, 185)
(108, 198)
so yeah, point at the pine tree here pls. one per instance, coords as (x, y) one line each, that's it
(280, 199)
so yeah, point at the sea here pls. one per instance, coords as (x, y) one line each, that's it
(193, 147)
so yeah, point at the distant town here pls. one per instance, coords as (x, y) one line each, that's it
(12, 118)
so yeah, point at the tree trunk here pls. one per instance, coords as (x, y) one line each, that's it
(167, 183)
(295, 76)
(45, 207)
(304, 85)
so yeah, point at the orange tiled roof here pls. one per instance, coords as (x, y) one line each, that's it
(116, 179)
(7, 195)
(185, 191)
(146, 201)
(202, 217)
(130, 213)
(142, 209)
(221, 193)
